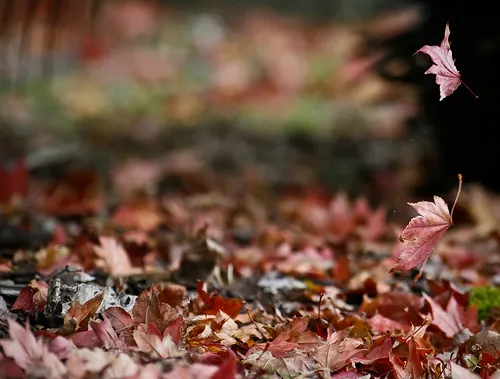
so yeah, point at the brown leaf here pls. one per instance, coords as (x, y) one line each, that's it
(338, 354)
(122, 323)
(32, 298)
(85, 339)
(414, 365)
(79, 315)
(214, 303)
(149, 310)
(172, 294)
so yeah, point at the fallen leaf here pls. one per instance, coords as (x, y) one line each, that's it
(84, 363)
(151, 343)
(487, 340)
(29, 353)
(381, 349)
(149, 310)
(414, 365)
(194, 371)
(448, 322)
(79, 315)
(459, 372)
(85, 339)
(398, 367)
(227, 370)
(32, 298)
(337, 354)
(122, 322)
(107, 335)
(172, 294)
(214, 303)
(112, 257)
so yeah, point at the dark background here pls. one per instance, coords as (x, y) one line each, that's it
(465, 128)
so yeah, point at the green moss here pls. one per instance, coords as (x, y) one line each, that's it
(485, 298)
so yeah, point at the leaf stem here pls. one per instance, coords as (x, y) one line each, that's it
(466, 86)
(460, 177)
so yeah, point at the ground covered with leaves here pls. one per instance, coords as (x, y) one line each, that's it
(216, 278)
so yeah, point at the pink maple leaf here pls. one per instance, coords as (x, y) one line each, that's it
(422, 233)
(30, 354)
(447, 320)
(447, 76)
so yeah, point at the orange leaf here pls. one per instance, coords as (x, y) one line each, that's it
(214, 303)
(79, 315)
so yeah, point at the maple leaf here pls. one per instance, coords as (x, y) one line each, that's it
(87, 339)
(214, 302)
(30, 354)
(447, 320)
(152, 343)
(79, 315)
(112, 257)
(337, 354)
(398, 368)
(32, 298)
(424, 231)
(122, 322)
(148, 309)
(414, 365)
(294, 336)
(447, 76)
(459, 372)
(380, 350)
(107, 335)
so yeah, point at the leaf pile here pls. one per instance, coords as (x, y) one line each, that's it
(220, 283)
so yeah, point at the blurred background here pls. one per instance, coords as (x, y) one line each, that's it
(292, 94)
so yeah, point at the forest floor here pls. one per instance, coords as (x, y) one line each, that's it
(216, 278)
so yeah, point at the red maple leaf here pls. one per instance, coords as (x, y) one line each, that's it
(32, 298)
(149, 310)
(449, 320)
(423, 232)
(215, 302)
(447, 75)
(294, 335)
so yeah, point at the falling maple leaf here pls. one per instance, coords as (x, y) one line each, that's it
(424, 231)
(447, 76)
